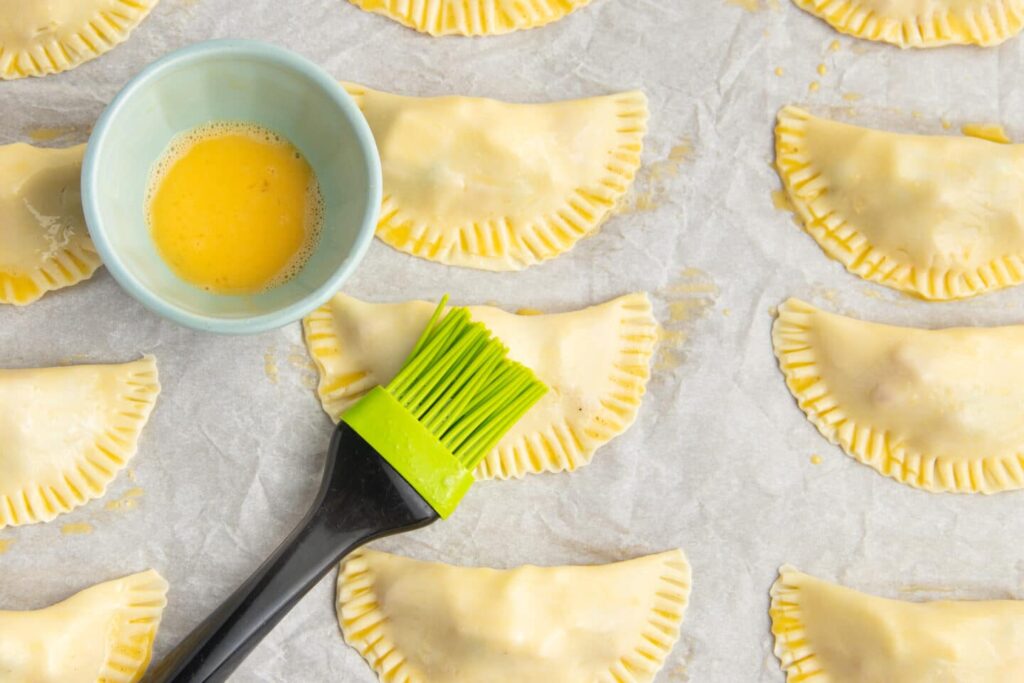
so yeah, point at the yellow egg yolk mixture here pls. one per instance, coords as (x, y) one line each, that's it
(234, 208)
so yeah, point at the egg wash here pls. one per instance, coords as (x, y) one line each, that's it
(234, 208)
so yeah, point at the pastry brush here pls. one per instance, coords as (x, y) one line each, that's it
(402, 457)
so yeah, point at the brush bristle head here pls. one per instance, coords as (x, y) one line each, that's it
(459, 383)
(449, 405)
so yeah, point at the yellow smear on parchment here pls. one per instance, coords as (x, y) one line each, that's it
(822, 69)
(45, 134)
(779, 71)
(270, 365)
(669, 167)
(5, 545)
(686, 310)
(50, 134)
(77, 529)
(992, 132)
(835, 46)
(129, 501)
(308, 375)
(814, 86)
(852, 96)
(946, 123)
(872, 293)
(638, 202)
(816, 459)
(301, 361)
(688, 298)
(827, 293)
(755, 5)
(651, 188)
(681, 152)
(674, 338)
(668, 360)
(693, 281)
(780, 200)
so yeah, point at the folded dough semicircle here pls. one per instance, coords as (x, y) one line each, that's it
(937, 216)
(46, 244)
(941, 410)
(65, 433)
(471, 17)
(596, 361)
(922, 23)
(39, 38)
(422, 622)
(103, 634)
(826, 633)
(492, 185)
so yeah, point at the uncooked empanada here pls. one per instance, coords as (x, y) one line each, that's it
(44, 243)
(595, 361)
(485, 184)
(826, 633)
(40, 37)
(421, 622)
(471, 17)
(922, 23)
(941, 217)
(942, 410)
(104, 634)
(65, 432)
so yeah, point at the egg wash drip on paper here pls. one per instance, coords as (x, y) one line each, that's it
(234, 208)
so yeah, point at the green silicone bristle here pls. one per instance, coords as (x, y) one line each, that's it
(454, 398)
(459, 383)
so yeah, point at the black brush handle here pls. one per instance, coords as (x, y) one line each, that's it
(362, 498)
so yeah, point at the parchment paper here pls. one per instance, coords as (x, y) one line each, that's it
(719, 461)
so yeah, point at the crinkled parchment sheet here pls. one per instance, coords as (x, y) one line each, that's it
(719, 461)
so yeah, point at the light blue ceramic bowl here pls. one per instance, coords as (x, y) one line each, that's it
(230, 80)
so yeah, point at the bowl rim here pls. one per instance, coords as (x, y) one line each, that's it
(265, 321)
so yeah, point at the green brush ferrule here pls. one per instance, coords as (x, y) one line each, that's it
(411, 449)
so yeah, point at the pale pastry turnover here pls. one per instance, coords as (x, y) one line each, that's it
(498, 186)
(826, 633)
(421, 622)
(46, 37)
(471, 17)
(941, 410)
(104, 634)
(65, 433)
(45, 244)
(595, 362)
(939, 217)
(922, 23)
